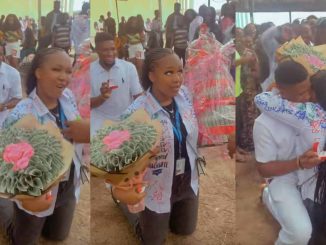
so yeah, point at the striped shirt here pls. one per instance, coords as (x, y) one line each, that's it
(62, 35)
(180, 38)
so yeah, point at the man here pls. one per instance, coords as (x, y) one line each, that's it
(279, 156)
(271, 40)
(10, 88)
(109, 25)
(114, 83)
(172, 24)
(50, 21)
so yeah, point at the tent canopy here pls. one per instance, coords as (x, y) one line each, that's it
(281, 5)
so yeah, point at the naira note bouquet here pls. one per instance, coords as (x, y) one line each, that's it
(121, 152)
(33, 158)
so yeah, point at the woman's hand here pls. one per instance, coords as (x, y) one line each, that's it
(77, 130)
(37, 204)
(128, 195)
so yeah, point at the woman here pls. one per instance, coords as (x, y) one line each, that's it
(136, 37)
(12, 35)
(49, 101)
(172, 196)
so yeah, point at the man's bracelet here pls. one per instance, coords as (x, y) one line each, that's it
(299, 164)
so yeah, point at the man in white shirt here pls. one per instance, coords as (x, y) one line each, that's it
(114, 83)
(279, 156)
(10, 88)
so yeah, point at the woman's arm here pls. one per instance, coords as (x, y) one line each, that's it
(297, 115)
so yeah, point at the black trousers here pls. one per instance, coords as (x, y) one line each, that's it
(25, 229)
(182, 54)
(153, 227)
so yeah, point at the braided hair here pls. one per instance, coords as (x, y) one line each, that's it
(38, 60)
(151, 59)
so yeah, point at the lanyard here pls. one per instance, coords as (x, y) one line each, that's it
(177, 127)
(62, 117)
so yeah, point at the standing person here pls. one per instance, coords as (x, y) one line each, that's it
(171, 202)
(50, 214)
(29, 44)
(209, 15)
(101, 23)
(80, 28)
(180, 40)
(250, 86)
(227, 20)
(320, 37)
(50, 21)
(41, 32)
(279, 157)
(136, 39)
(171, 25)
(10, 87)
(61, 33)
(109, 25)
(114, 83)
(12, 36)
(122, 34)
(271, 40)
(155, 39)
(194, 21)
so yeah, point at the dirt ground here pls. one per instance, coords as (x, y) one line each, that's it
(80, 230)
(254, 224)
(216, 210)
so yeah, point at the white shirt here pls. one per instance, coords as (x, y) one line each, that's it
(195, 23)
(33, 105)
(276, 141)
(122, 74)
(308, 119)
(80, 28)
(10, 87)
(160, 172)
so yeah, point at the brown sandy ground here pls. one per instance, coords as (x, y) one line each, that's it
(254, 224)
(80, 230)
(216, 210)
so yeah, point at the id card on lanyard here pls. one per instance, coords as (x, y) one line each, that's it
(181, 162)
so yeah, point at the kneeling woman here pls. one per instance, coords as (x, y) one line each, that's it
(172, 195)
(48, 100)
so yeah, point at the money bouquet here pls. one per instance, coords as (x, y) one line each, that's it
(121, 152)
(33, 158)
(313, 58)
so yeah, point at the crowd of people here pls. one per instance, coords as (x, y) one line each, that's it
(22, 37)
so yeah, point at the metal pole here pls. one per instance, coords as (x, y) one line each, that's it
(116, 5)
(39, 11)
(290, 16)
(160, 8)
(209, 3)
(251, 6)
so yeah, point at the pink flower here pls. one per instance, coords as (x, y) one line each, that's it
(315, 61)
(18, 154)
(116, 138)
